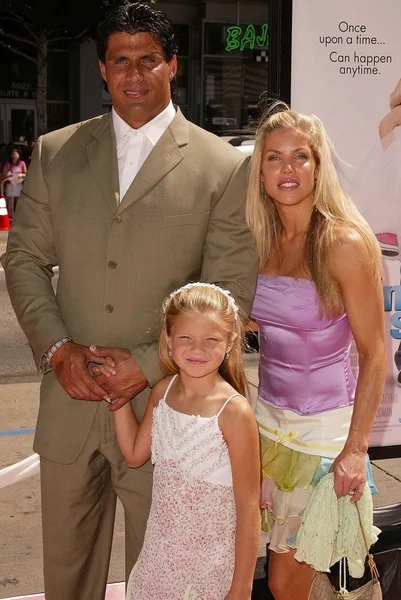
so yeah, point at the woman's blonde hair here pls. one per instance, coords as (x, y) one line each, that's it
(217, 303)
(333, 210)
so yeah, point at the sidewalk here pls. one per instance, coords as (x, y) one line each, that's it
(20, 518)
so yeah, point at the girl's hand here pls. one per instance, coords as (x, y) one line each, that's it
(349, 470)
(107, 369)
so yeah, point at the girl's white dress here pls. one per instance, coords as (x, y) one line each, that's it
(189, 547)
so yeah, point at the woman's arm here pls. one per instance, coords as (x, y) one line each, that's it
(387, 126)
(395, 96)
(241, 434)
(135, 438)
(392, 119)
(363, 300)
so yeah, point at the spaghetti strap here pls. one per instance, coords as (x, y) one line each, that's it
(169, 386)
(226, 402)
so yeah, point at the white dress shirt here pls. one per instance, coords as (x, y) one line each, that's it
(134, 145)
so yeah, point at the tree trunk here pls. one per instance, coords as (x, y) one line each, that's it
(41, 84)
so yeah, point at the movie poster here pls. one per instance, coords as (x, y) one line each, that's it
(346, 62)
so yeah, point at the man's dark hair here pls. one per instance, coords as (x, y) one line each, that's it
(138, 17)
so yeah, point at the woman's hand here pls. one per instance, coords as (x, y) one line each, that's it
(390, 122)
(391, 119)
(395, 96)
(349, 470)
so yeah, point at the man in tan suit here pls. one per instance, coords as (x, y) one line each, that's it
(130, 206)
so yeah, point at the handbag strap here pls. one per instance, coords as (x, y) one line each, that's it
(342, 578)
(372, 565)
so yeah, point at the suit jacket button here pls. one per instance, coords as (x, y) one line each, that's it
(112, 264)
(118, 219)
(109, 308)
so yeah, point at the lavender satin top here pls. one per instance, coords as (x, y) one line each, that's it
(304, 360)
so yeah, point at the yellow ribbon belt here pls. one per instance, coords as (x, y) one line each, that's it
(283, 438)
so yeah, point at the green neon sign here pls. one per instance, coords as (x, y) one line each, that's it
(239, 38)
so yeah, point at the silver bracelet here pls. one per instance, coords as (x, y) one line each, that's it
(51, 352)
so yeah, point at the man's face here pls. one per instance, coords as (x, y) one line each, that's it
(138, 76)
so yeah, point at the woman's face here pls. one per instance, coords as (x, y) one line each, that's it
(288, 169)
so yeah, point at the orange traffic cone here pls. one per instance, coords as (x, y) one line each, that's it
(4, 220)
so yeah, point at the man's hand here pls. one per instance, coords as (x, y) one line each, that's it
(127, 380)
(69, 364)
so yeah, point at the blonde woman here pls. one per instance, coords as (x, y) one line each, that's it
(201, 541)
(319, 285)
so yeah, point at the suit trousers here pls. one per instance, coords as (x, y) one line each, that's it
(78, 511)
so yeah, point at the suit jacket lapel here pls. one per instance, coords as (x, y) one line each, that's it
(102, 158)
(163, 158)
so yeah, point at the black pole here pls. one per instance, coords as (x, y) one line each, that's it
(280, 42)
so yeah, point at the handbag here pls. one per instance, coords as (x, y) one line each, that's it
(323, 590)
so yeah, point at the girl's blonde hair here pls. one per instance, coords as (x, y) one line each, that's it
(218, 304)
(333, 211)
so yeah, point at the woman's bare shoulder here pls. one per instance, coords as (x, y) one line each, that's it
(348, 244)
(350, 255)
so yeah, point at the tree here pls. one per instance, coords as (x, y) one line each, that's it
(29, 28)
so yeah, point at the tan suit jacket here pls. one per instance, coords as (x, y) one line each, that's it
(181, 220)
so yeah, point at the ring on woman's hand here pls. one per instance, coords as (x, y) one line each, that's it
(352, 492)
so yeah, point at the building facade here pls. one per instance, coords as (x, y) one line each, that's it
(230, 54)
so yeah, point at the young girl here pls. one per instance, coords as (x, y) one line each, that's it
(202, 535)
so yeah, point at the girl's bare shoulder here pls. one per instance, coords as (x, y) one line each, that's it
(237, 406)
(159, 389)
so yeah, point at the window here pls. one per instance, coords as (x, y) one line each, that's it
(234, 80)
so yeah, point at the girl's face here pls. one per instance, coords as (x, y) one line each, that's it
(198, 344)
(15, 156)
(288, 169)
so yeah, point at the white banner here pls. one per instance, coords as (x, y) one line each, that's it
(20, 470)
(346, 60)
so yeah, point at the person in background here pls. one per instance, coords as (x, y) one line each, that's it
(14, 171)
(319, 284)
(27, 154)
